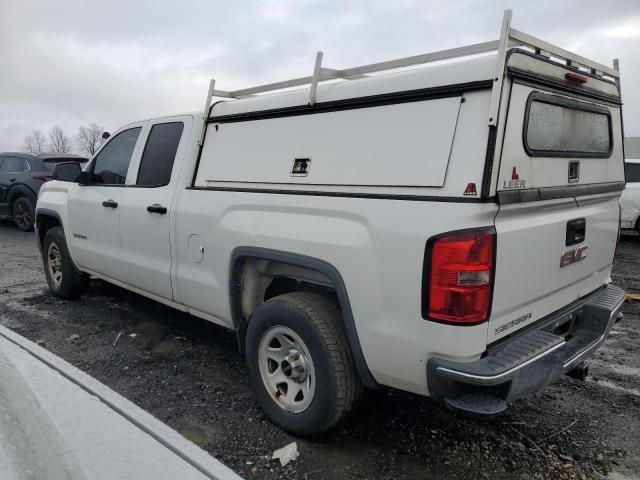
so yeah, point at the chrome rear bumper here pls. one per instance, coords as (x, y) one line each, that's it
(528, 361)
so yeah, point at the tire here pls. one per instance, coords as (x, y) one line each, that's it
(62, 277)
(315, 361)
(23, 213)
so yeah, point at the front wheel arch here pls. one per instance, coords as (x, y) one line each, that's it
(64, 279)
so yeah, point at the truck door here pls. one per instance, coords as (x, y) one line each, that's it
(94, 209)
(145, 208)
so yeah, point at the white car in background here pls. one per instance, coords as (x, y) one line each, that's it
(630, 199)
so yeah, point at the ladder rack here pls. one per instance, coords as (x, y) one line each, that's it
(509, 38)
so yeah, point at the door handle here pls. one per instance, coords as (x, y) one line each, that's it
(110, 204)
(12, 179)
(157, 208)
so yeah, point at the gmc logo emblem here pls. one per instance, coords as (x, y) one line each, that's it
(573, 256)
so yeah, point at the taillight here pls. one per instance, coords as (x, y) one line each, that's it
(42, 178)
(458, 276)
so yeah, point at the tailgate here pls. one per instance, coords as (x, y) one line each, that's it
(560, 177)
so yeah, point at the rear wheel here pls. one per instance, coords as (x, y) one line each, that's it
(301, 368)
(62, 277)
(23, 213)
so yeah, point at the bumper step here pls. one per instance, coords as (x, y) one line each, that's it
(496, 368)
(476, 404)
(529, 361)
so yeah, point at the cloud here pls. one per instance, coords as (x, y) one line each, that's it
(76, 62)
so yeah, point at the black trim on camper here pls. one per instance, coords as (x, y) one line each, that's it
(570, 104)
(393, 98)
(556, 83)
(375, 196)
(552, 193)
(553, 84)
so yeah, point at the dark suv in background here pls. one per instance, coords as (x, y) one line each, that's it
(21, 175)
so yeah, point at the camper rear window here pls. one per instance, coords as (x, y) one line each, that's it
(561, 127)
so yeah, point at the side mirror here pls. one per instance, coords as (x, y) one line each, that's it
(67, 171)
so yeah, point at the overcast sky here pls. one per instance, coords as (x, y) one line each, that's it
(73, 62)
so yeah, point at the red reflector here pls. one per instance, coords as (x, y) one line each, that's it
(471, 189)
(459, 277)
(574, 77)
(43, 178)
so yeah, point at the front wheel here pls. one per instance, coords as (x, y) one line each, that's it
(23, 214)
(300, 364)
(62, 277)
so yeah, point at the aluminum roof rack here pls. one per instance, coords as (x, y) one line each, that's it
(509, 37)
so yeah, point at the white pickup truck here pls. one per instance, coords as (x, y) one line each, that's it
(447, 229)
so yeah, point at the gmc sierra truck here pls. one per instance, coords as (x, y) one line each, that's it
(446, 229)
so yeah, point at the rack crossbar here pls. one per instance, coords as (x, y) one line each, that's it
(509, 37)
(533, 42)
(448, 54)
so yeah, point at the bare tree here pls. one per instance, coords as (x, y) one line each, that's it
(58, 141)
(35, 143)
(88, 138)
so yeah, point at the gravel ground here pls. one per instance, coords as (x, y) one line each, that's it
(189, 374)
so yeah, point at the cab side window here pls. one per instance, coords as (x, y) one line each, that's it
(112, 163)
(159, 154)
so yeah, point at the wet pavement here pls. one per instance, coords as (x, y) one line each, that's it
(189, 374)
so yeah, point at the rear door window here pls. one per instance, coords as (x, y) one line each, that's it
(159, 154)
(561, 127)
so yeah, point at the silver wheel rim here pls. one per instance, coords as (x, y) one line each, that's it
(54, 264)
(286, 368)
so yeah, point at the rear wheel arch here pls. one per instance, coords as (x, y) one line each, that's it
(269, 271)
